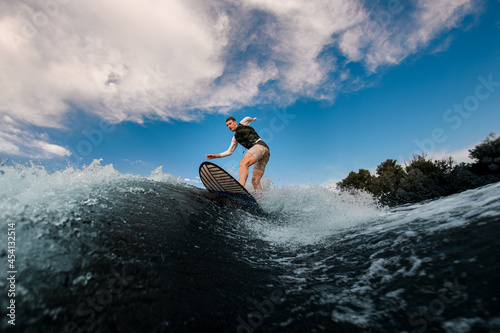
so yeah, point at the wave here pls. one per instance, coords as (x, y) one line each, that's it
(194, 260)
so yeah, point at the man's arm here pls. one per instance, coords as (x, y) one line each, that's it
(247, 120)
(228, 152)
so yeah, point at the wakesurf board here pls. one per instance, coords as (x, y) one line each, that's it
(219, 181)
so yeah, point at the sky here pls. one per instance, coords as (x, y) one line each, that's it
(335, 86)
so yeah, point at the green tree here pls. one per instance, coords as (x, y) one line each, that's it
(361, 180)
(387, 183)
(421, 163)
(487, 156)
(423, 179)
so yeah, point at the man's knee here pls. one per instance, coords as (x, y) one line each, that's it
(245, 163)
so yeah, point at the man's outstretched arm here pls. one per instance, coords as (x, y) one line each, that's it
(247, 120)
(228, 152)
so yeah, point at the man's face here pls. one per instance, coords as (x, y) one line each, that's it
(231, 124)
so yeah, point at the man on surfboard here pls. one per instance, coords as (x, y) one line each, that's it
(257, 154)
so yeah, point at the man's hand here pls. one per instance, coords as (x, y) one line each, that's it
(211, 156)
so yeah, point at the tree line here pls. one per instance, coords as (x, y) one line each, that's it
(422, 179)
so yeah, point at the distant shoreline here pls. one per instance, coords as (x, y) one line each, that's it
(423, 179)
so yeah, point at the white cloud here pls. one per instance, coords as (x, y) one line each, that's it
(194, 181)
(459, 156)
(301, 31)
(126, 60)
(7, 146)
(51, 149)
(136, 162)
(18, 142)
(393, 33)
(120, 59)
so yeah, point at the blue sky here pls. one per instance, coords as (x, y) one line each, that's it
(336, 86)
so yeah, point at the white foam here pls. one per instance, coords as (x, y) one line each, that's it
(158, 175)
(310, 215)
(307, 215)
(31, 190)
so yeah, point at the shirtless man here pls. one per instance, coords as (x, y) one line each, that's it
(258, 151)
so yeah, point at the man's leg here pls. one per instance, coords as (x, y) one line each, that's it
(257, 175)
(245, 163)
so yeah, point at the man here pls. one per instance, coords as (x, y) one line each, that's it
(257, 154)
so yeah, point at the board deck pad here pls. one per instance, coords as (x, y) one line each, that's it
(219, 181)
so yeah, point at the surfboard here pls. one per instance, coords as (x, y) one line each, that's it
(218, 181)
